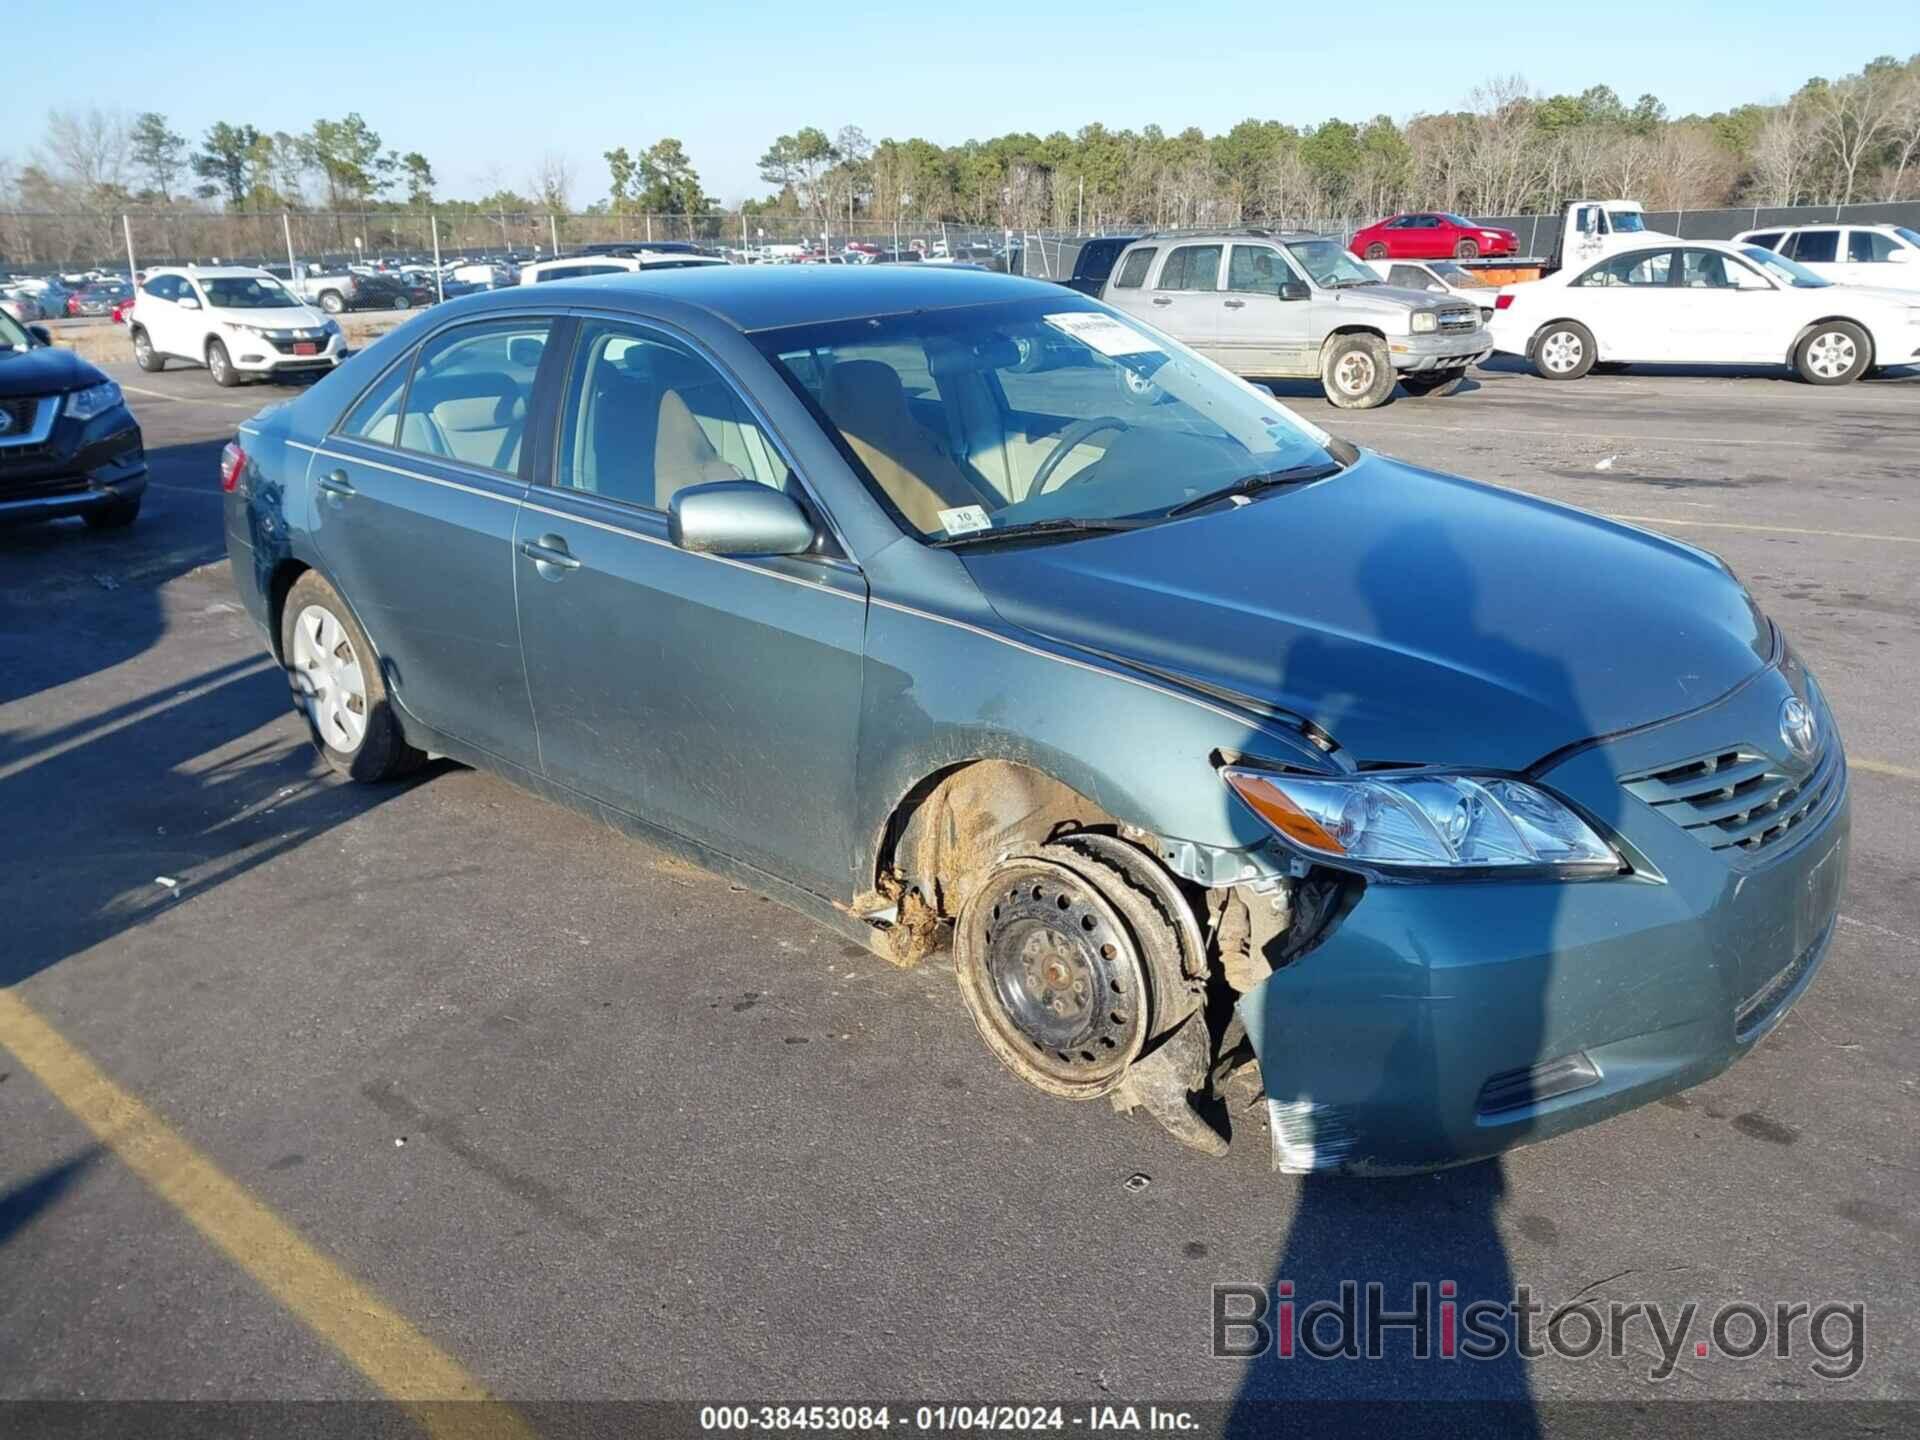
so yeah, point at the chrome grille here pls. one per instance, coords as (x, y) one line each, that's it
(1738, 799)
(1463, 317)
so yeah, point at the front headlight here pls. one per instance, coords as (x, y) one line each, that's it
(94, 400)
(1424, 322)
(253, 330)
(1425, 822)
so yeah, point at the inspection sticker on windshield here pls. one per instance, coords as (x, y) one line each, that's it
(1102, 333)
(964, 520)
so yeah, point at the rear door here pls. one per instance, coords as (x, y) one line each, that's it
(718, 698)
(414, 501)
(1184, 299)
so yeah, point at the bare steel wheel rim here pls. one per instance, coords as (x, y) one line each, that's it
(1354, 373)
(1054, 979)
(1561, 351)
(328, 679)
(1832, 354)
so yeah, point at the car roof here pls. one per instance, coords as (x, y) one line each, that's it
(756, 297)
(207, 272)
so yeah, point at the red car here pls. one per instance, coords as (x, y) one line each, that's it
(121, 309)
(1431, 235)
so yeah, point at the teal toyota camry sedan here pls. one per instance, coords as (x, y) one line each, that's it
(981, 622)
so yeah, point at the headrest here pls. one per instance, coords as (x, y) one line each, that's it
(864, 387)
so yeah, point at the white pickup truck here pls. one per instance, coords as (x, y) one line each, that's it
(1590, 229)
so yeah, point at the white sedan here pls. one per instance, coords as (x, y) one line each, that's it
(1705, 303)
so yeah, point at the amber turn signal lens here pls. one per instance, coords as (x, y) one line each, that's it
(1267, 801)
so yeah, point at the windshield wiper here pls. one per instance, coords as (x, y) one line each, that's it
(1250, 484)
(1040, 528)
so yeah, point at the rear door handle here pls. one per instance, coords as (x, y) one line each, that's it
(337, 483)
(1234, 304)
(549, 550)
(1162, 300)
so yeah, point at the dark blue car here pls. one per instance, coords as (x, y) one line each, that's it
(967, 615)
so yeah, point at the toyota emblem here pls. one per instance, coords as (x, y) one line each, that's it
(1797, 727)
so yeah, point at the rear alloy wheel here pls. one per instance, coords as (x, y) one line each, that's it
(1467, 250)
(1433, 382)
(1834, 352)
(1376, 251)
(338, 686)
(1564, 351)
(1356, 372)
(332, 303)
(144, 355)
(221, 364)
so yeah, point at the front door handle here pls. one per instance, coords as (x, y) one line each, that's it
(549, 550)
(1162, 300)
(1235, 304)
(337, 483)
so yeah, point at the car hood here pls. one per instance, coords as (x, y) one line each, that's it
(1381, 298)
(45, 370)
(297, 317)
(1416, 618)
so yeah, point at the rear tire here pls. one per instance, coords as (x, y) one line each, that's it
(401, 302)
(1356, 371)
(1433, 382)
(338, 686)
(332, 303)
(221, 364)
(144, 355)
(1563, 350)
(117, 516)
(1834, 352)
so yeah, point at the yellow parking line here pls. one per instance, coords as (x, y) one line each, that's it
(1881, 767)
(1764, 529)
(374, 1338)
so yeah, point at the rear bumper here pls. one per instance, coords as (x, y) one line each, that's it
(1444, 1023)
(80, 467)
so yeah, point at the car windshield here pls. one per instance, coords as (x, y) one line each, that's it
(1458, 275)
(246, 292)
(1626, 222)
(1912, 237)
(13, 335)
(1035, 413)
(1791, 271)
(1459, 222)
(1330, 264)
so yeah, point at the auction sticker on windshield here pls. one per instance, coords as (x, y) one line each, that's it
(1103, 333)
(964, 520)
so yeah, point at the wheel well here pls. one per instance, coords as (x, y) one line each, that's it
(285, 574)
(1345, 330)
(956, 821)
(1813, 325)
(206, 345)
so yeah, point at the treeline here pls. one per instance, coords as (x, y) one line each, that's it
(1506, 151)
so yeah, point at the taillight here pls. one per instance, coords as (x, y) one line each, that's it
(1502, 302)
(232, 461)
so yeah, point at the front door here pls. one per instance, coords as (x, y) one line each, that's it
(1728, 312)
(414, 500)
(716, 697)
(1259, 333)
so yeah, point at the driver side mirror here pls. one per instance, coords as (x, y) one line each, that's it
(187, 302)
(1294, 290)
(737, 517)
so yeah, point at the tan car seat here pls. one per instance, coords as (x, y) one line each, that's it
(865, 399)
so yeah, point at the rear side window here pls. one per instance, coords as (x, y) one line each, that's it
(1191, 267)
(376, 416)
(1097, 257)
(1133, 271)
(471, 393)
(1866, 247)
(1818, 246)
(1640, 268)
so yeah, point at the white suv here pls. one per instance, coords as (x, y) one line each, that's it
(1884, 255)
(239, 323)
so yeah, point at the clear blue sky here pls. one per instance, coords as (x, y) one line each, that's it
(484, 88)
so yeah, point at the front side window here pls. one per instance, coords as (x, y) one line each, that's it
(1191, 267)
(1047, 413)
(1256, 270)
(472, 391)
(163, 287)
(646, 417)
(1133, 270)
(1816, 247)
(1641, 268)
(1869, 247)
(1412, 277)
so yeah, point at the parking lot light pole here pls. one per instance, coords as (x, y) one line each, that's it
(126, 224)
(553, 233)
(439, 279)
(286, 229)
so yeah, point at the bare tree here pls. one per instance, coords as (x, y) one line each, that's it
(1904, 130)
(1851, 118)
(87, 149)
(1781, 156)
(552, 180)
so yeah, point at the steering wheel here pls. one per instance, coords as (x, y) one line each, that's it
(1070, 437)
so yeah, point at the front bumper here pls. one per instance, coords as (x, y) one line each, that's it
(1440, 352)
(76, 467)
(259, 356)
(1445, 1022)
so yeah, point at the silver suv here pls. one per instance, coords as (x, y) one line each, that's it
(1271, 304)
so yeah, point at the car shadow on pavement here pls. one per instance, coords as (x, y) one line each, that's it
(132, 811)
(24, 1203)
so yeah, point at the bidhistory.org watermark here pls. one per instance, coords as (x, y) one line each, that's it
(1431, 1320)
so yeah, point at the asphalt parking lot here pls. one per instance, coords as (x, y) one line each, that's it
(595, 1124)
